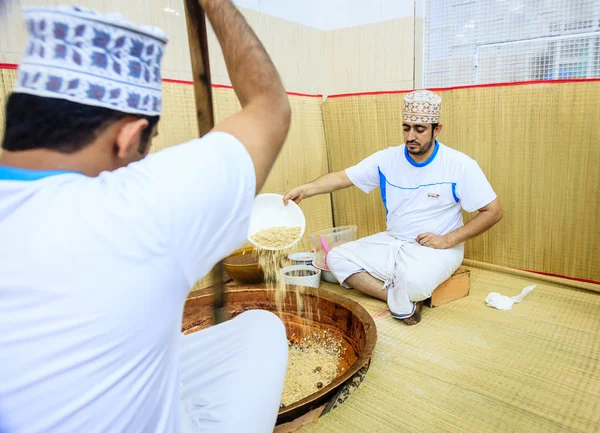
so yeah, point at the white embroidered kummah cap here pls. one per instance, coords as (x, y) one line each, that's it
(83, 56)
(422, 106)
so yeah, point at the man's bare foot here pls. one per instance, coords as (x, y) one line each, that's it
(416, 317)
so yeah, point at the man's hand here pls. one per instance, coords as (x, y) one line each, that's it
(486, 218)
(296, 195)
(323, 185)
(433, 241)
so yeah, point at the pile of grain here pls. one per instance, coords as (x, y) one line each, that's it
(272, 261)
(313, 363)
(276, 237)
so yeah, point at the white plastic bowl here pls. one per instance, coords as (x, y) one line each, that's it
(302, 258)
(269, 211)
(326, 275)
(302, 275)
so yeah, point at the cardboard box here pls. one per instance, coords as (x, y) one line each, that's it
(455, 287)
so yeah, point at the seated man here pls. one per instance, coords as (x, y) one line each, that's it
(424, 185)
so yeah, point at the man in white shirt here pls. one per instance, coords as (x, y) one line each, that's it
(101, 243)
(424, 186)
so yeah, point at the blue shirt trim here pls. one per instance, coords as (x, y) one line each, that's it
(382, 186)
(15, 173)
(424, 163)
(417, 187)
(456, 199)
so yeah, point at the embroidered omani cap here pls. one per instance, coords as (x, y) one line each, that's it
(83, 56)
(422, 106)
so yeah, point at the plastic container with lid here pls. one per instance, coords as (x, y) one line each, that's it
(325, 240)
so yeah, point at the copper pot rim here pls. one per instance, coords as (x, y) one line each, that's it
(237, 253)
(246, 265)
(364, 356)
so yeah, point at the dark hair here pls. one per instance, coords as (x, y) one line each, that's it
(433, 126)
(33, 122)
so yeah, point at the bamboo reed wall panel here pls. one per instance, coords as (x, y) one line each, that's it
(536, 143)
(7, 79)
(355, 127)
(303, 158)
(539, 147)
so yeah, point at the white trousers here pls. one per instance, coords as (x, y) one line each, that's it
(410, 272)
(232, 375)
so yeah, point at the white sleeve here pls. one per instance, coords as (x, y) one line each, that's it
(365, 174)
(202, 195)
(474, 191)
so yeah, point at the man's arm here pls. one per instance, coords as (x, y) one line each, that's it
(264, 121)
(483, 221)
(323, 185)
(364, 175)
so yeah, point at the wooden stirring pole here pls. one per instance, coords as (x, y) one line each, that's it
(196, 28)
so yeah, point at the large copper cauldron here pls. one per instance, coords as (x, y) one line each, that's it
(343, 317)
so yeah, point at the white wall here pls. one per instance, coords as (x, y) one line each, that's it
(363, 48)
(335, 14)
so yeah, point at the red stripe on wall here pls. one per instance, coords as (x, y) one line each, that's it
(312, 95)
(189, 83)
(227, 86)
(517, 83)
(581, 280)
(169, 80)
(382, 92)
(471, 86)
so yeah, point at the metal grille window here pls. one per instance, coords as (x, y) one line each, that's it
(494, 41)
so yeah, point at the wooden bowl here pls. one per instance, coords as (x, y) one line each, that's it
(242, 266)
(342, 317)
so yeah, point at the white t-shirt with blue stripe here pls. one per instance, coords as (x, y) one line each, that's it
(94, 274)
(424, 197)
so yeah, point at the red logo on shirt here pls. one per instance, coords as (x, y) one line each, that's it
(436, 196)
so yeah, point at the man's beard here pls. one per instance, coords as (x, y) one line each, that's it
(422, 150)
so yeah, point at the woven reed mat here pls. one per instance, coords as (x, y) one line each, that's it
(470, 368)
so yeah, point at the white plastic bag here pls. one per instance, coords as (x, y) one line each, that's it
(501, 302)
